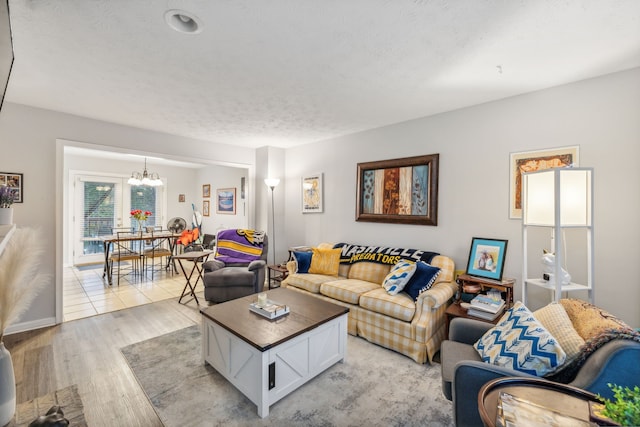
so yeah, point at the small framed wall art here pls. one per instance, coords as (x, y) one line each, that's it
(312, 193)
(226, 202)
(205, 208)
(206, 191)
(486, 258)
(181, 198)
(14, 182)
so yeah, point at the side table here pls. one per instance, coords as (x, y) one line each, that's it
(276, 274)
(505, 285)
(553, 400)
(455, 310)
(198, 258)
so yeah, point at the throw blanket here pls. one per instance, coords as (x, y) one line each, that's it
(239, 245)
(569, 372)
(382, 255)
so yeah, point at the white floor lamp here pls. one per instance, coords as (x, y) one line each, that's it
(272, 183)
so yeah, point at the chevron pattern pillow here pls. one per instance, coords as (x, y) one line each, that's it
(399, 276)
(520, 342)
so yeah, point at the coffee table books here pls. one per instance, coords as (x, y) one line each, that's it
(270, 310)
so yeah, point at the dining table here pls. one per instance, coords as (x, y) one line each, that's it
(154, 238)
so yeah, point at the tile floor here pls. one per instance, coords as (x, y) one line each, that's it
(86, 293)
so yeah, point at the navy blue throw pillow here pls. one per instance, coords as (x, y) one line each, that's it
(304, 261)
(422, 279)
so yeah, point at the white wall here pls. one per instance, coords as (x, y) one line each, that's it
(219, 177)
(600, 115)
(28, 145)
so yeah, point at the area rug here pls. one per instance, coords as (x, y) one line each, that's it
(374, 387)
(68, 398)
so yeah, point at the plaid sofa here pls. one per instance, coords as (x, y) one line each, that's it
(414, 329)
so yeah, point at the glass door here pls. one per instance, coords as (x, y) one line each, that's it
(103, 203)
(98, 209)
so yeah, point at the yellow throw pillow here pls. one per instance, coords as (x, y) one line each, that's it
(325, 261)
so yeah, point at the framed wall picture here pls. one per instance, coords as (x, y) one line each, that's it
(531, 161)
(312, 193)
(181, 198)
(226, 201)
(15, 182)
(486, 258)
(206, 191)
(401, 191)
(205, 208)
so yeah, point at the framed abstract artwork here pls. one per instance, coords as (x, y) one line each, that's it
(226, 201)
(312, 193)
(206, 208)
(531, 161)
(486, 258)
(206, 190)
(400, 191)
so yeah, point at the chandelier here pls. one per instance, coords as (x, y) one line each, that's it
(145, 178)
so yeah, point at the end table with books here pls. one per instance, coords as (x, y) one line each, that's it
(478, 284)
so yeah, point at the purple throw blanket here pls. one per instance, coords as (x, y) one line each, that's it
(239, 245)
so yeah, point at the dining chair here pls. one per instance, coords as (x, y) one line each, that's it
(157, 247)
(124, 249)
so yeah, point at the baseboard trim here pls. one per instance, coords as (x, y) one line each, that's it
(31, 325)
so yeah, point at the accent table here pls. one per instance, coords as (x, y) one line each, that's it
(559, 398)
(276, 274)
(197, 257)
(268, 359)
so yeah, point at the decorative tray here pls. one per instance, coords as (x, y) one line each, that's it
(270, 310)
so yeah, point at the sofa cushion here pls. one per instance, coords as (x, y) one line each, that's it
(325, 261)
(399, 276)
(303, 261)
(347, 290)
(554, 317)
(369, 272)
(520, 342)
(399, 306)
(446, 266)
(423, 278)
(308, 282)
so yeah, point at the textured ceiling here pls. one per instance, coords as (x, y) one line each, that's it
(288, 72)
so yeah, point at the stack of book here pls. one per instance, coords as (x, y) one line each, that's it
(486, 308)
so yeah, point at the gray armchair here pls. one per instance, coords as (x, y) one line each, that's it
(227, 281)
(464, 373)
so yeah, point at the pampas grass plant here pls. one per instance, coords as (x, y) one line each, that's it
(20, 276)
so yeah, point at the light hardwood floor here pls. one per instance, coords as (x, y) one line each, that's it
(86, 352)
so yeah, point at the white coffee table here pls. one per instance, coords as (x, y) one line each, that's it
(268, 359)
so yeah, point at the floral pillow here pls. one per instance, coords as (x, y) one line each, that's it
(399, 276)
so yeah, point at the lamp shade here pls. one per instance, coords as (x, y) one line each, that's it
(561, 196)
(272, 182)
